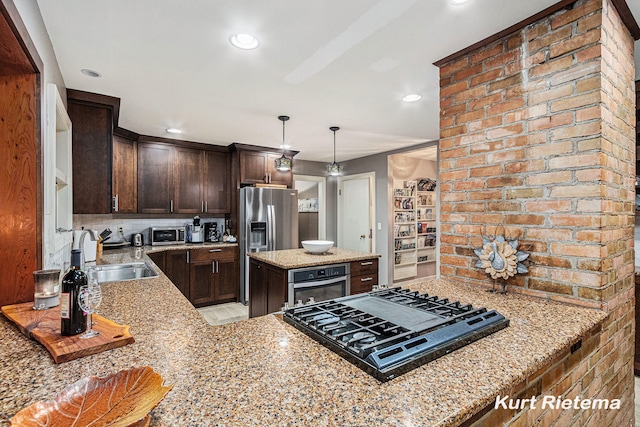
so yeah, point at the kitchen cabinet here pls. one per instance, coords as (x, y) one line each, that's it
(267, 288)
(364, 274)
(93, 118)
(181, 179)
(213, 275)
(188, 172)
(155, 178)
(176, 264)
(217, 176)
(258, 167)
(124, 175)
(158, 259)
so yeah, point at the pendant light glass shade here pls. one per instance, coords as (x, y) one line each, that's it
(283, 164)
(334, 168)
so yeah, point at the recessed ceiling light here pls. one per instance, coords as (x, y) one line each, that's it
(90, 73)
(413, 97)
(458, 2)
(244, 41)
(174, 130)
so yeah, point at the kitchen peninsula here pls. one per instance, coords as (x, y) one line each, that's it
(264, 372)
(270, 275)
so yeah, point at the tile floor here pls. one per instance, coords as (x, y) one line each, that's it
(224, 313)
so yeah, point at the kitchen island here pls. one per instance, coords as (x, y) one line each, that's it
(263, 372)
(269, 275)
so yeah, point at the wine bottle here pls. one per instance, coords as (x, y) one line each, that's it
(73, 319)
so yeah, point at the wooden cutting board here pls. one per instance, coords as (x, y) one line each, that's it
(44, 327)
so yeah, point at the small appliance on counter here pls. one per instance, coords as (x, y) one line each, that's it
(195, 232)
(167, 235)
(211, 232)
(137, 240)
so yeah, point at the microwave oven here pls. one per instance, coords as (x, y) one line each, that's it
(166, 235)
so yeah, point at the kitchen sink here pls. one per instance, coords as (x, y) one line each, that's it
(120, 272)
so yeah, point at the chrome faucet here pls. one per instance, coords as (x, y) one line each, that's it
(93, 235)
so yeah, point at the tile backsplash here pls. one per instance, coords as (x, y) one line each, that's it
(133, 225)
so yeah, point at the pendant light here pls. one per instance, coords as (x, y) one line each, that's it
(334, 168)
(283, 164)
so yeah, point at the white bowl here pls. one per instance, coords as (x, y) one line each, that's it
(317, 246)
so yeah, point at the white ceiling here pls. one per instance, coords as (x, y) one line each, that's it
(323, 63)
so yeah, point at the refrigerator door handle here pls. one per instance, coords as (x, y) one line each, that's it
(271, 212)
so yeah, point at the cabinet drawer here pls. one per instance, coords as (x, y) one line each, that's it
(365, 266)
(363, 283)
(215, 253)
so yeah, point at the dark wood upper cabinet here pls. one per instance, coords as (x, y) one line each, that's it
(155, 178)
(258, 167)
(125, 175)
(92, 118)
(188, 173)
(216, 182)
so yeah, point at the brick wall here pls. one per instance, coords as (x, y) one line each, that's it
(537, 135)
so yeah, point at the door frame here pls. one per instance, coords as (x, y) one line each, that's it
(372, 205)
(322, 201)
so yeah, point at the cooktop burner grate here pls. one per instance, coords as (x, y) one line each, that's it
(392, 331)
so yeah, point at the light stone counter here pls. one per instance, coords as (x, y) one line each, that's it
(240, 375)
(298, 258)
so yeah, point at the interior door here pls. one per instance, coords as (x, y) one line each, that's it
(355, 212)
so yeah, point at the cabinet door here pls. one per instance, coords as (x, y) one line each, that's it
(91, 151)
(202, 283)
(275, 176)
(155, 178)
(257, 289)
(177, 269)
(125, 185)
(158, 259)
(188, 173)
(253, 167)
(277, 288)
(216, 182)
(226, 281)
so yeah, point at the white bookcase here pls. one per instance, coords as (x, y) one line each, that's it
(414, 226)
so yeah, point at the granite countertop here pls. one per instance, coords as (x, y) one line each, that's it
(298, 258)
(263, 372)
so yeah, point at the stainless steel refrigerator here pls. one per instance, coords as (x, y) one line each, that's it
(268, 222)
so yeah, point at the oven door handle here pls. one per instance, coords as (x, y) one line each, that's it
(320, 283)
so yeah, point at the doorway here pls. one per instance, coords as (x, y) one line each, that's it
(356, 212)
(312, 207)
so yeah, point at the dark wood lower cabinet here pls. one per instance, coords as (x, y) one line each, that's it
(267, 288)
(268, 285)
(177, 269)
(206, 276)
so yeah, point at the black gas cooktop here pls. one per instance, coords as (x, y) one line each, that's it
(392, 331)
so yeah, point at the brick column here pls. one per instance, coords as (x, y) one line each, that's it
(537, 134)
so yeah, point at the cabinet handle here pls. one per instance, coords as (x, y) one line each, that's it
(202, 206)
(366, 279)
(206, 206)
(188, 257)
(215, 250)
(214, 267)
(171, 206)
(115, 203)
(367, 263)
(217, 267)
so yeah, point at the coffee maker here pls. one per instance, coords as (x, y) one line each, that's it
(197, 234)
(211, 233)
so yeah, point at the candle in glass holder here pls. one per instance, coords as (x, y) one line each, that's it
(47, 289)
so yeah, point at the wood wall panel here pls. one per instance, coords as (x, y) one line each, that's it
(18, 191)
